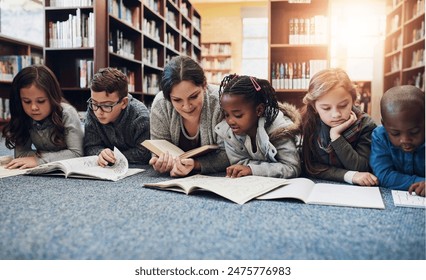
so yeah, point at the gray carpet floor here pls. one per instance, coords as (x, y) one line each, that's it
(44, 217)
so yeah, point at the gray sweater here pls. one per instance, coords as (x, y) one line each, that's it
(166, 124)
(40, 133)
(277, 154)
(129, 130)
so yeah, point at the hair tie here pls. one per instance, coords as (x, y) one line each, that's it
(255, 84)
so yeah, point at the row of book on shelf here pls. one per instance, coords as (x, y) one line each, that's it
(417, 79)
(151, 28)
(216, 63)
(77, 31)
(120, 45)
(417, 34)
(71, 3)
(417, 60)
(4, 109)
(216, 49)
(153, 5)
(295, 75)
(131, 15)
(151, 83)
(85, 68)
(170, 16)
(150, 56)
(215, 77)
(10, 65)
(86, 71)
(308, 30)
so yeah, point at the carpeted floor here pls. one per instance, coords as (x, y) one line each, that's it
(55, 218)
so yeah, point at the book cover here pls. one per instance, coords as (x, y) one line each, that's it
(161, 146)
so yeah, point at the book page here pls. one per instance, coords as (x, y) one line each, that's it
(47, 168)
(4, 172)
(161, 146)
(405, 199)
(299, 188)
(239, 190)
(87, 167)
(346, 195)
(10, 172)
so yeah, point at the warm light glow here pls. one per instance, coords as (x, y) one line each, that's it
(356, 30)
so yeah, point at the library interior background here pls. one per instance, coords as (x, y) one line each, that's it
(380, 43)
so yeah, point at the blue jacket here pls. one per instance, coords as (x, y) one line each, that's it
(395, 168)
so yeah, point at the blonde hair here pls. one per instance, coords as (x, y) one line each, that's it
(321, 83)
(324, 81)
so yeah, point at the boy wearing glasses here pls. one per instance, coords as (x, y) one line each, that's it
(115, 118)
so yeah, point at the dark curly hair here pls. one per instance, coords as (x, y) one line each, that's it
(257, 91)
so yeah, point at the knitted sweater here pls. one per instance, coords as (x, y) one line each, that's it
(126, 133)
(47, 151)
(353, 156)
(277, 154)
(166, 124)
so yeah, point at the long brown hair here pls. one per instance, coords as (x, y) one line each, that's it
(321, 83)
(16, 131)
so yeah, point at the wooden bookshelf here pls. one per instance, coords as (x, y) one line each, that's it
(137, 37)
(216, 60)
(404, 44)
(14, 55)
(298, 46)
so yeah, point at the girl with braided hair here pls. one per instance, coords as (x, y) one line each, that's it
(260, 134)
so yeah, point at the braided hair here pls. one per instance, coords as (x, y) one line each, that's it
(253, 90)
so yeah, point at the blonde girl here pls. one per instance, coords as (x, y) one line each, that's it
(336, 135)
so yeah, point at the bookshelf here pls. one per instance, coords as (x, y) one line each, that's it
(216, 59)
(137, 37)
(298, 45)
(404, 44)
(14, 55)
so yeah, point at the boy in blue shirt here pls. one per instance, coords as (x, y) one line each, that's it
(398, 147)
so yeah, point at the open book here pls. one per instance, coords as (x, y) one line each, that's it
(243, 189)
(161, 146)
(328, 194)
(239, 190)
(9, 172)
(405, 199)
(82, 167)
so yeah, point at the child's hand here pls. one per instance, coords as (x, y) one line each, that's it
(163, 163)
(238, 170)
(336, 131)
(182, 167)
(418, 188)
(365, 179)
(22, 163)
(106, 157)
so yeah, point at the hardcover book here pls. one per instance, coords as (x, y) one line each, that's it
(161, 146)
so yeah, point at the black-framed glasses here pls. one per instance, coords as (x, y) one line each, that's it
(104, 107)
